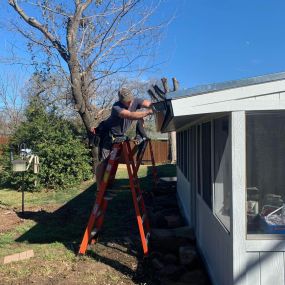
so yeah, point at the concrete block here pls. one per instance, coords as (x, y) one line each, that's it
(18, 256)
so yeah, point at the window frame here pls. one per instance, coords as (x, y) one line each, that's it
(255, 241)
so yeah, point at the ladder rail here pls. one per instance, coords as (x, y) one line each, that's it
(133, 189)
(96, 218)
(139, 161)
(100, 202)
(154, 169)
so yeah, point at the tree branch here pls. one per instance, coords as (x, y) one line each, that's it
(34, 23)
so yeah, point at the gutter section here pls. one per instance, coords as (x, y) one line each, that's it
(163, 114)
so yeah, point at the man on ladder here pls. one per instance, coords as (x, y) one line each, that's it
(123, 113)
(113, 145)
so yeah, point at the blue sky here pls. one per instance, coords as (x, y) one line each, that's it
(215, 40)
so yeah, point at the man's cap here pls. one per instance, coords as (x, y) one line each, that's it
(125, 95)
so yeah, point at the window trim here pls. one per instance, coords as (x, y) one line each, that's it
(260, 242)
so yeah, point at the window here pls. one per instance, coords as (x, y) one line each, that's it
(198, 158)
(206, 163)
(185, 153)
(265, 162)
(183, 145)
(178, 139)
(222, 170)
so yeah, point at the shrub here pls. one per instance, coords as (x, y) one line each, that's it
(64, 160)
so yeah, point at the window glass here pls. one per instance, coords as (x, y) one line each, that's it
(198, 157)
(193, 171)
(265, 162)
(185, 154)
(206, 164)
(222, 170)
(178, 138)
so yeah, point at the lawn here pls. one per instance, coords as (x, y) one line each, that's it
(53, 225)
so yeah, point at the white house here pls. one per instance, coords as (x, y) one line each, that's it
(231, 175)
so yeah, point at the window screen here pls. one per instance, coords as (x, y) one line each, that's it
(206, 164)
(185, 153)
(265, 162)
(222, 170)
(198, 157)
(178, 141)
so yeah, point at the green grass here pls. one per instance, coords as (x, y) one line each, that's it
(55, 232)
(12, 198)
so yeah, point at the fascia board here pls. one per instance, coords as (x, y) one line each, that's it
(224, 99)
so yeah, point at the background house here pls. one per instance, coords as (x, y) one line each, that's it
(230, 174)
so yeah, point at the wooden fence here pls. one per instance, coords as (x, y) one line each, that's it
(4, 139)
(160, 151)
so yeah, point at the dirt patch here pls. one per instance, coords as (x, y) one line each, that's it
(9, 219)
(106, 264)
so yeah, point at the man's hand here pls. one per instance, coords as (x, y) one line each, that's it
(146, 104)
(150, 112)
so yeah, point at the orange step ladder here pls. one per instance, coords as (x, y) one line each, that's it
(144, 144)
(120, 146)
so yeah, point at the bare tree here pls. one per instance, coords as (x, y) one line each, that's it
(88, 41)
(11, 103)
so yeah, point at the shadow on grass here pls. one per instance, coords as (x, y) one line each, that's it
(67, 224)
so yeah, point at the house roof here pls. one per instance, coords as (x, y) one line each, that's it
(185, 107)
(213, 87)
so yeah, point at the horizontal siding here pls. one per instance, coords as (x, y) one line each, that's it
(215, 245)
(184, 196)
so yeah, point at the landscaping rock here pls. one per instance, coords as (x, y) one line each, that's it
(181, 232)
(197, 277)
(156, 254)
(157, 265)
(186, 232)
(171, 271)
(164, 188)
(167, 281)
(158, 221)
(194, 277)
(170, 259)
(169, 245)
(166, 201)
(174, 221)
(187, 254)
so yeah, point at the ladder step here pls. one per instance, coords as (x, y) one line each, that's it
(104, 195)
